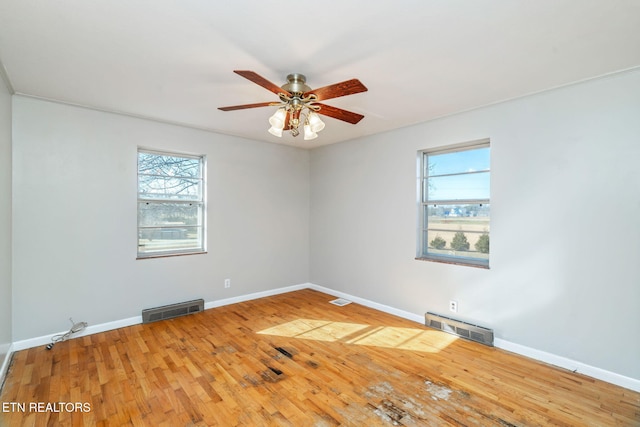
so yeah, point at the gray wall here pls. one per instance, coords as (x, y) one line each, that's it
(565, 236)
(75, 218)
(5, 221)
(565, 196)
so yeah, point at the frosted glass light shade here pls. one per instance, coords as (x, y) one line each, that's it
(277, 120)
(314, 121)
(309, 133)
(275, 131)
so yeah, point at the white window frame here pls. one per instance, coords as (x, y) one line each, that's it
(199, 201)
(453, 257)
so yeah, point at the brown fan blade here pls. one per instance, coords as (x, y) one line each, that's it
(259, 80)
(339, 113)
(336, 90)
(242, 107)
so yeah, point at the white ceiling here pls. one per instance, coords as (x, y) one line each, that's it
(172, 60)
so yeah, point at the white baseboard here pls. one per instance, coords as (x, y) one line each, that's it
(569, 364)
(255, 295)
(367, 303)
(560, 361)
(7, 350)
(532, 353)
(89, 330)
(103, 327)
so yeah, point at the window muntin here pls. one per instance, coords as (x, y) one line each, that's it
(470, 185)
(170, 204)
(454, 205)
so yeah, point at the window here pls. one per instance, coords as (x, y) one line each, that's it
(170, 204)
(453, 207)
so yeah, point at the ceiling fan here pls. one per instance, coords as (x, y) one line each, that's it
(299, 104)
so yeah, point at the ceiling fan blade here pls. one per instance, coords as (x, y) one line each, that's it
(339, 113)
(259, 80)
(336, 90)
(245, 106)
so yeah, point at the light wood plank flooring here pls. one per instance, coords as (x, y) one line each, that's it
(296, 360)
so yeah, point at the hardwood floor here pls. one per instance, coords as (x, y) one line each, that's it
(296, 360)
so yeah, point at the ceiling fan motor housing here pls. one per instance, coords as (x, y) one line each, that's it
(296, 85)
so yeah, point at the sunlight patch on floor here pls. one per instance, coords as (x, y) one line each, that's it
(321, 330)
(415, 339)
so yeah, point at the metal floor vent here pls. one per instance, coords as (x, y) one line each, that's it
(462, 329)
(340, 302)
(172, 310)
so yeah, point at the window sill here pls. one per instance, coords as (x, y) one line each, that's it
(454, 262)
(169, 255)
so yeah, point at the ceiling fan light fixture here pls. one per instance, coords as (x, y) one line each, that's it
(309, 133)
(315, 123)
(277, 120)
(275, 131)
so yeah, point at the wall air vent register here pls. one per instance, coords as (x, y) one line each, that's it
(462, 329)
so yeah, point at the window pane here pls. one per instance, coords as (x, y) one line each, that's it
(171, 166)
(154, 214)
(457, 162)
(163, 188)
(457, 230)
(169, 239)
(458, 187)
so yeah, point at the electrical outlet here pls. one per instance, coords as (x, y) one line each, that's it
(227, 283)
(453, 306)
